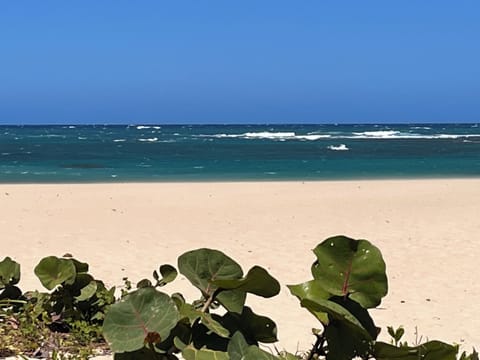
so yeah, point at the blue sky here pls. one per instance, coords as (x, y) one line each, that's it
(116, 61)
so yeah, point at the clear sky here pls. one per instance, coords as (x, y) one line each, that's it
(259, 61)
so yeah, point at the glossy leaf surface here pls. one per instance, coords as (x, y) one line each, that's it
(354, 268)
(203, 266)
(137, 316)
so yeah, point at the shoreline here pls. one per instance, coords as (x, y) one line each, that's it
(240, 181)
(425, 229)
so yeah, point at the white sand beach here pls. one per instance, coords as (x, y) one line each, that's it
(427, 230)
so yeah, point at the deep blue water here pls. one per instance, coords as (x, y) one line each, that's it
(237, 152)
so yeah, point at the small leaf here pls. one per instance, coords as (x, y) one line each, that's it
(87, 291)
(257, 281)
(53, 271)
(189, 312)
(169, 273)
(144, 283)
(9, 272)
(128, 322)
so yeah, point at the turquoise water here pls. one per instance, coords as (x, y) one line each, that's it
(236, 152)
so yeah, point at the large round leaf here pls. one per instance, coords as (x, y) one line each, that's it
(203, 266)
(53, 271)
(143, 314)
(354, 268)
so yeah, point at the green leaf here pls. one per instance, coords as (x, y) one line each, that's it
(9, 272)
(432, 350)
(138, 315)
(354, 268)
(169, 273)
(257, 281)
(80, 267)
(189, 312)
(203, 266)
(191, 353)
(337, 313)
(345, 343)
(53, 271)
(311, 290)
(255, 353)
(255, 328)
(144, 283)
(237, 347)
(87, 291)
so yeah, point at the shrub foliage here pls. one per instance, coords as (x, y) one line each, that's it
(348, 279)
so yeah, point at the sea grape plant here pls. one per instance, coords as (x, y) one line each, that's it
(348, 279)
(9, 278)
(75, 294)
(149, 324)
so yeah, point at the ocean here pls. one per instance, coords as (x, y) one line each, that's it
(112, 153)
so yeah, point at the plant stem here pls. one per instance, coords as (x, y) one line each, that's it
(316, 347)
(210, 300)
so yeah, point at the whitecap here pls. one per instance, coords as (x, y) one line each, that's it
(141, 127)
(149, 139)
(312, 137)
(119, 140)
(377, 134)
(341, 147)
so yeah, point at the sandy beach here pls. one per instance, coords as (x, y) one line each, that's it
(427, 230)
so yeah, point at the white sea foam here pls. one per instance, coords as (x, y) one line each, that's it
(281, 136)
(399, 135)
(377, 134)
(141, 127)
(81, 138)
(149, 139)
(312, 137)
(119, 140)
(341, 147)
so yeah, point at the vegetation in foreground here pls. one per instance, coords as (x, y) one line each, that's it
(79, 316)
